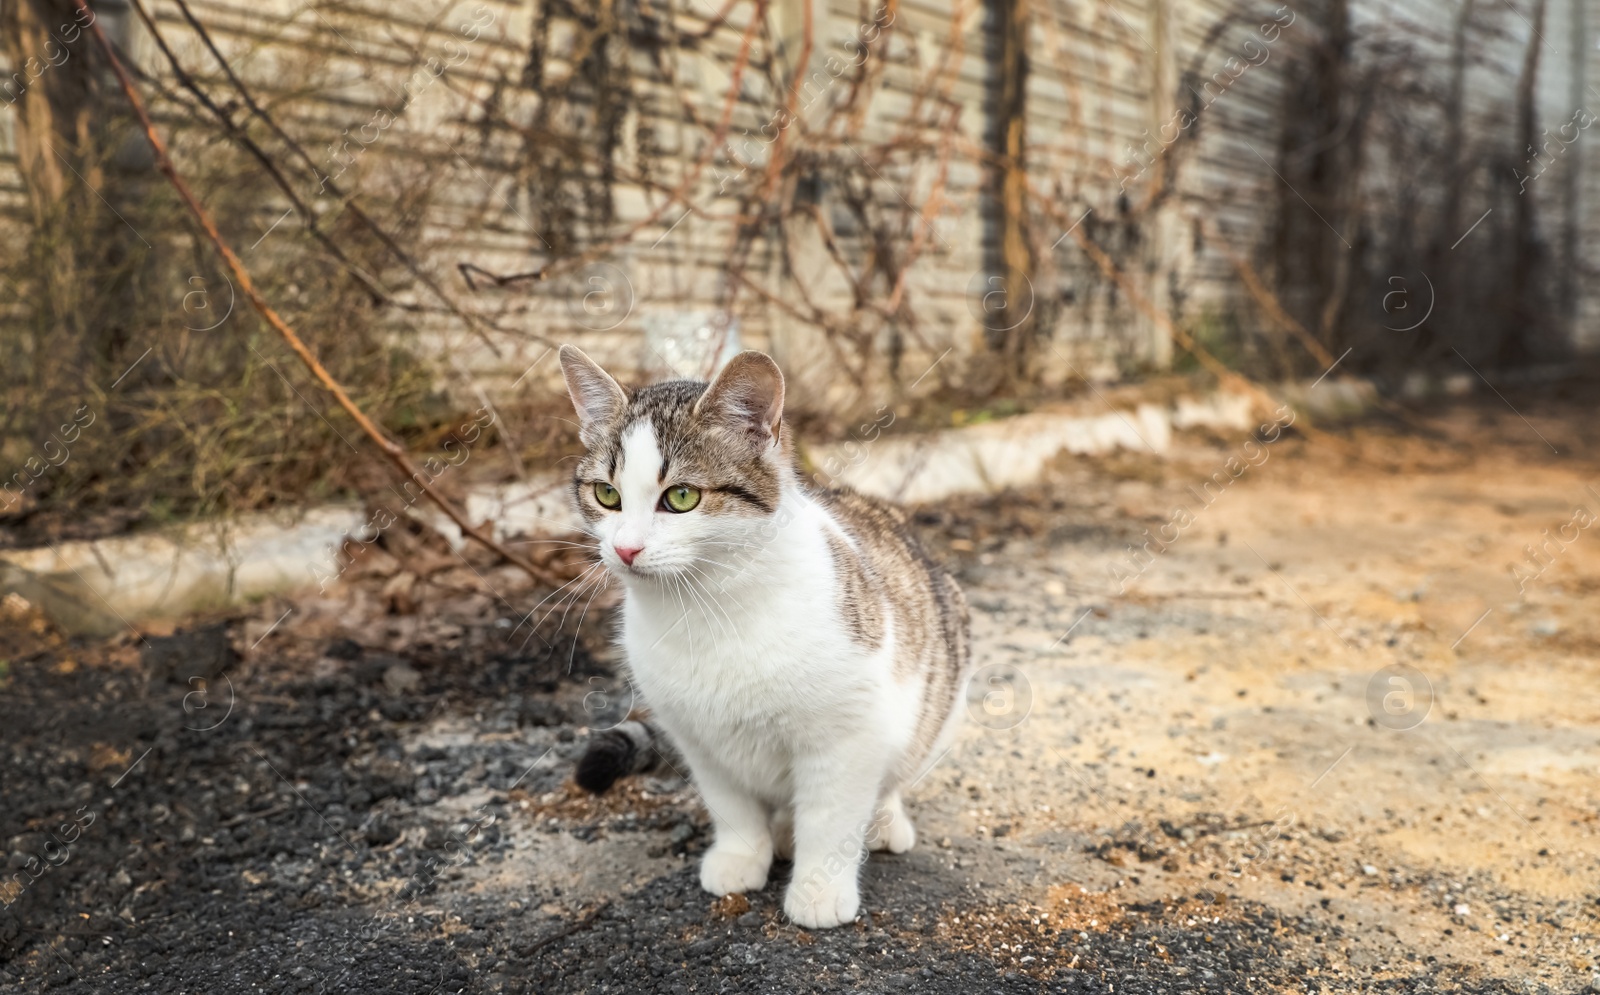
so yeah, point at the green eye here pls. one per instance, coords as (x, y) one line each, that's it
(681, 498)
(607, 495)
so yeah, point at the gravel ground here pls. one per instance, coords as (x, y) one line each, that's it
(1206, 782)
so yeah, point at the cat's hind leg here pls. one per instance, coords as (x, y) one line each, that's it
(782, 828)
(892, 829)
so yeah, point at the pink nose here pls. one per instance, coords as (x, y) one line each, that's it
(628, 554)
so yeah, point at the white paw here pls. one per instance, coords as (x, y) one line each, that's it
(893, 831)
(725, 872)
(822, 906)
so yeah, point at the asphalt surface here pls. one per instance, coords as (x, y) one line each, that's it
(336, 809)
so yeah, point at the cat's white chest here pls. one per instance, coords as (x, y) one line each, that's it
(755, 673)
(736, 658)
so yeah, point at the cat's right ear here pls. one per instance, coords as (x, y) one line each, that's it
(595, 396)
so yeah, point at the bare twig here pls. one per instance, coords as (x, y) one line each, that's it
(473, 321)
(1136, 297)
(1269, 302)
(679, 194)
(391, 449)
(1215, 366)
(589, 919)
(243, 139)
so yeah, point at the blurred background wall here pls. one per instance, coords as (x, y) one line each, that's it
(974, 202)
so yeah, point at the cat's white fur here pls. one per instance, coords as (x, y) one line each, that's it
(745, 661)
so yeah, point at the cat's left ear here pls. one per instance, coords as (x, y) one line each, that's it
(747, 397)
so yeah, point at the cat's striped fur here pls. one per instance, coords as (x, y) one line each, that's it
(794, 643)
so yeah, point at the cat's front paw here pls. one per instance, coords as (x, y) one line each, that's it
(726, 872)
(823, 907)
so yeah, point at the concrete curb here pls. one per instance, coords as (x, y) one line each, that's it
(98, 587)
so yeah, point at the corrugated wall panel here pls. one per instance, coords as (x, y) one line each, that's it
(1105, 82)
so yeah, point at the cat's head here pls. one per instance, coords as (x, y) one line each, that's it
(681, 475)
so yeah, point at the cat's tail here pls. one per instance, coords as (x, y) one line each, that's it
(633, 747)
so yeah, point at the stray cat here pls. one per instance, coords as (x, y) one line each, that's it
(794, 643)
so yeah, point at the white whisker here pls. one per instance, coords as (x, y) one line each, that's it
(555, 542)
(581, 580)
(572, 655)
(731, 627)
(547, 598)
(711, 606)
(677, 592)
(572, 600)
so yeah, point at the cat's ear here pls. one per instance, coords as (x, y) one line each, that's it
(747, 397)
(595, 396)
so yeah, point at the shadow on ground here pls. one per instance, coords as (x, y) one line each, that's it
(316, 807)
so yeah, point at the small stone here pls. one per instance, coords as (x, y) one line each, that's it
(1368, 870)
(945, 844)
(436, 837)
(542, 712)
(343, 649)
(1463, 909)
(381, 830)
(394, 710)
(201, 653)
(749, 919)
(700, 948)
(401, 678)
(389, 778)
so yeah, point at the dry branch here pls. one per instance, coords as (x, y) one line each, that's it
(1113, 272)
(391, 449)
(1269, 301)
(680, 193)
(475, 322)
(240, 137)
(1215, 366)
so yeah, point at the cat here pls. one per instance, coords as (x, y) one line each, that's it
(799, 650)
